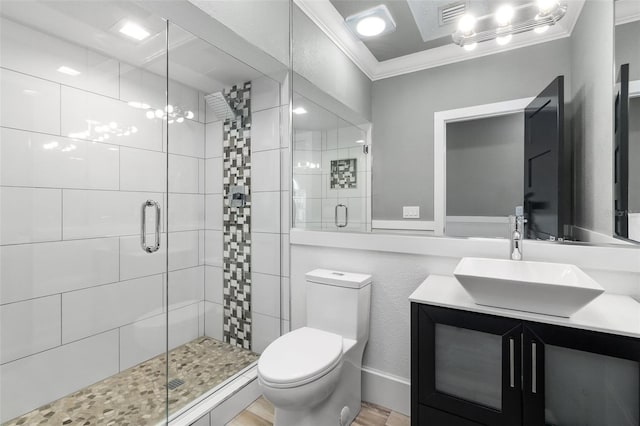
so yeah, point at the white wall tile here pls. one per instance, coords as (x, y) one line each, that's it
(213, 133)
(285, 169)
(29, 103)
(265, 130)
(213, 208)
(187, 138)
(30, 215)
(265, 330)
(142, 170)
(202, 421)
(183, 174)
(76, 365)
(39, 160)
(106, 213)
(213, 282)
(265, 294)
(91, 311)
(285, 297)
(38, 54)
(284, 255)
(184, 97)
(265, 171)
(186, 287)
(265, 253)
(79, 106)
(311, 209)
(201, 241)
(183, 325)
(285, 139)
(307, 185)
(186, 212)
(213, 320)
(201, 175)
(201, 310)
(29, 327)
(285, 211)
(139, 85)
(142, 340)
(213, 176)
(308, 162)
(134, 262)
(213, 248)
(35, 270)
(265, 212)
(265, 93)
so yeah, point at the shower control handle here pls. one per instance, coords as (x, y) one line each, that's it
(143, 226)
(346, 216)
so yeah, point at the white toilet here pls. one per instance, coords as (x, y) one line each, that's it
(312, 375)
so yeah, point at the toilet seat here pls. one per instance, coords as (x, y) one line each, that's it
(299, 357)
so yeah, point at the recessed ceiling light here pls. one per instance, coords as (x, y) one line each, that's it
(371, 22)
(504, 14)
(135, 31)
(360, 141)
(69, 71)
(299, 110)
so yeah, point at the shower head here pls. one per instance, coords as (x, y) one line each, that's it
(220, 106)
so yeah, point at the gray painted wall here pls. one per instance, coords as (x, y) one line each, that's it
(592, 116)
(403, 109)
(321, 62)
(634, 155)
(627, 50)
(484, 166)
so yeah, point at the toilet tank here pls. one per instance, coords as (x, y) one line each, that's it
(339, 302)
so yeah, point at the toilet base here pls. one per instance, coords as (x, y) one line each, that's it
(331, 411)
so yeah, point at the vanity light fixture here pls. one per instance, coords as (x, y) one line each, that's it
(371, 22)
(135, 31)
(536, 15)
(68, 70)
(299, 110)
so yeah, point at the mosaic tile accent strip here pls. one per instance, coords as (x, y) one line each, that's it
(344, 174)
(137, 395)
(236, 327)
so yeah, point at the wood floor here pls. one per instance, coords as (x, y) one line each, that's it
(260, 413)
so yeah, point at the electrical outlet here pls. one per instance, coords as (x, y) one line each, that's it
(411, 212)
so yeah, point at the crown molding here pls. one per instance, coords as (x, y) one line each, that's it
(328, 19)
(627, 11)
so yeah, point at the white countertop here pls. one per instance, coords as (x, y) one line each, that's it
(608, 313)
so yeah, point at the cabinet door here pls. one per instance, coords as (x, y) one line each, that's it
(579, 377)
(467, 364)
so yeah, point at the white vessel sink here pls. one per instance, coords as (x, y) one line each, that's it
(544, 288)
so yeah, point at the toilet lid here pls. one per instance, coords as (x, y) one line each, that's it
(300, 356)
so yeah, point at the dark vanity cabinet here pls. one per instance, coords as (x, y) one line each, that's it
(476, 369)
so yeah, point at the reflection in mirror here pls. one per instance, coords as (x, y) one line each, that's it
(627, 123)
(331, 173)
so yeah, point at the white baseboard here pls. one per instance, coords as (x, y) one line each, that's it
(386, 390)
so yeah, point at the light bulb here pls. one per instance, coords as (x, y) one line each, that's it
(180, 119)
(466, 23)
(541, 29)
(471, 46)
(502, 40)
(159, 113)
(546, 6)
(150, 114)
(169, 108)
(371, 26)
(504, 14)
(189, 115)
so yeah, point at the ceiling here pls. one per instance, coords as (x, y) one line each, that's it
(418, 22)
(95, 24)
(420, 43)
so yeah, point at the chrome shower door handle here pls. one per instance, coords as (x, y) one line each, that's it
(143, 226)
(346, 216)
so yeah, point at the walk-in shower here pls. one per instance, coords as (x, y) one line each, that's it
(130, 286)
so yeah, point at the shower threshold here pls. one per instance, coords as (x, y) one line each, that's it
(136, 396)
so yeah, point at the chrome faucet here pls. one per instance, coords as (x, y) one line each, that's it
(517, 233)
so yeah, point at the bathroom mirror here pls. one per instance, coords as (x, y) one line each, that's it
(457, 190)
(627, 122)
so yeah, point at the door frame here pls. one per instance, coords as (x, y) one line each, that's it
(440, 121)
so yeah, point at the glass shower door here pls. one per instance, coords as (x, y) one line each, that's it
(82, 213)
